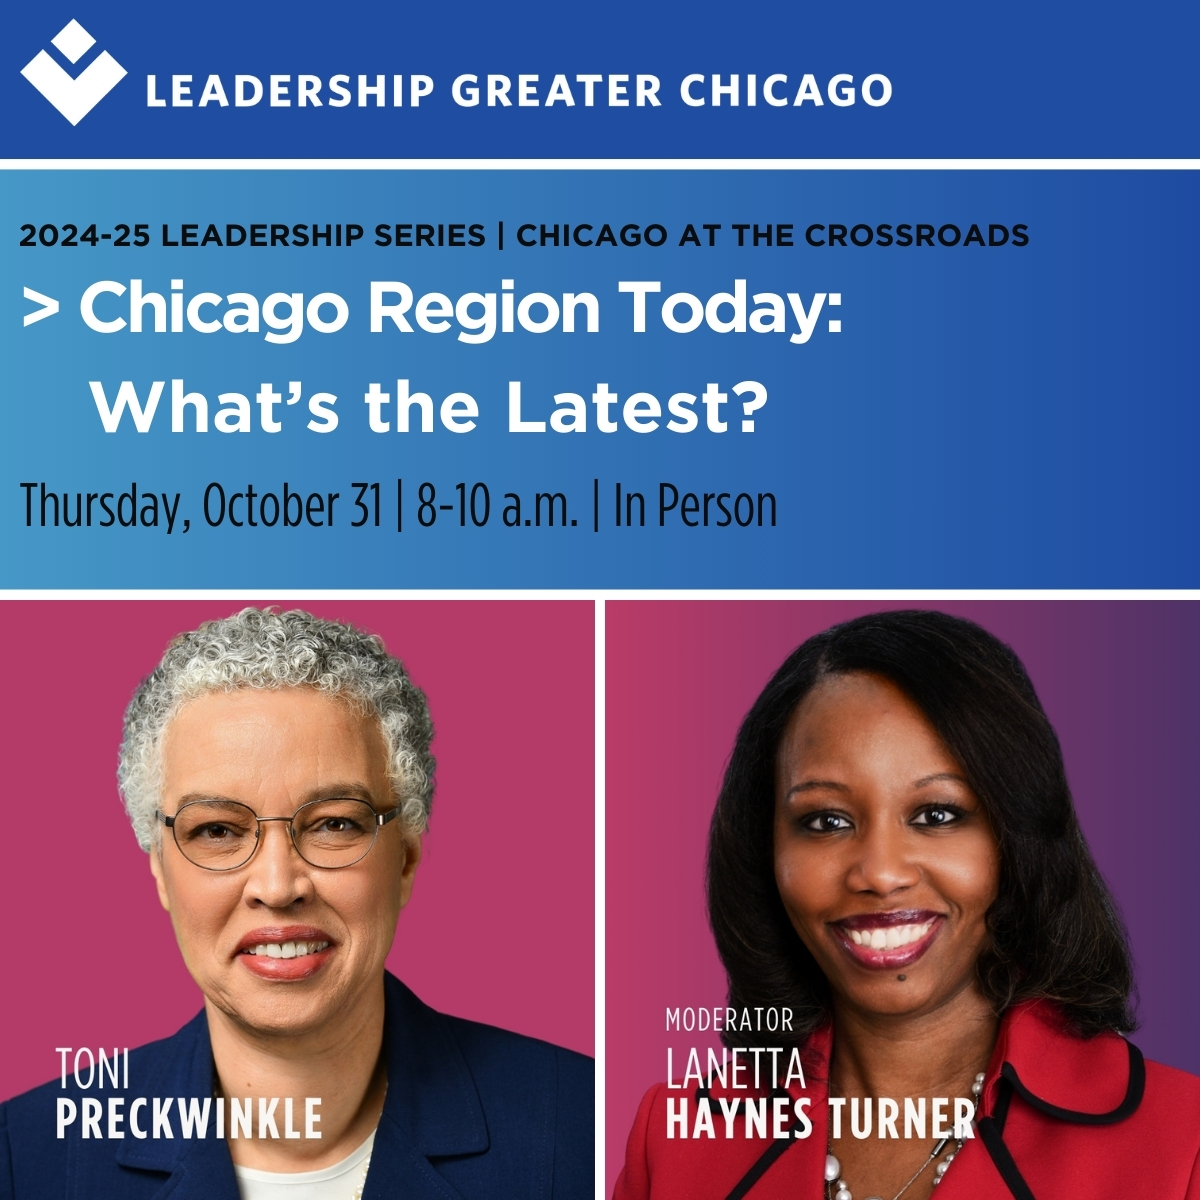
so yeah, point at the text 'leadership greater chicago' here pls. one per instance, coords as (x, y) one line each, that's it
(498, 91)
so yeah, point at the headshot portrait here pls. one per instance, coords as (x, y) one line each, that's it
(278, 774)
(929, 980)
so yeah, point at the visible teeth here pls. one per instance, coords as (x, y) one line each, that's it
(891, 937)
(287, 949)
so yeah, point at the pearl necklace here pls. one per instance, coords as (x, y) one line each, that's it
(358, 1191)
(835, 1185)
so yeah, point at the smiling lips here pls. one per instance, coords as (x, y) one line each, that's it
(887, 940)
(285, 952)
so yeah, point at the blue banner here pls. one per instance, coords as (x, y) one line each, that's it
(607, 378)
(621, 80)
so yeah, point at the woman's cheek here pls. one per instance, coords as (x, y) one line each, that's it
(968, 877)
(801, 885)
(203, 915)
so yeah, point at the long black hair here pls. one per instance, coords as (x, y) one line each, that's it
(1054, 931)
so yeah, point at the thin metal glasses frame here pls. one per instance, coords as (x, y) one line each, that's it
(381, 819)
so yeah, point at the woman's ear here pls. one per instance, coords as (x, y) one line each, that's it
(156, 869)
(412, 859)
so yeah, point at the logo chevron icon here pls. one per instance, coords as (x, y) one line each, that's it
(74, 97)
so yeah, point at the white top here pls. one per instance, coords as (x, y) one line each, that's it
(343, 1181)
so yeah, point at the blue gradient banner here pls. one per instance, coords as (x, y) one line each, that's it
(841, 378)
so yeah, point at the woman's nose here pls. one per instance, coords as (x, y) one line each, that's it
(278, 875)
(882, 864)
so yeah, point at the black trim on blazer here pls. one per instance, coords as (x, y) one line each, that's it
(768, 1157)
(1127, 1107)
(1003, 1100)
(991, 1129)
(993, 1142)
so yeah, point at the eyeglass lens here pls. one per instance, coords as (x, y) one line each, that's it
(222, 834)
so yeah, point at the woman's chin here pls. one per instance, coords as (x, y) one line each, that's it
(914, 992)
(280, 1005)
(892, 998)
(278, 1012)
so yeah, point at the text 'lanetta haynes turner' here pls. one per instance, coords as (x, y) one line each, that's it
(758, 1068)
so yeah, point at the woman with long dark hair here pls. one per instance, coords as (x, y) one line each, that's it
(896, 864)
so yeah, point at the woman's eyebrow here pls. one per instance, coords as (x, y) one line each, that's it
(816, 785)
(333, 791)
(208, 797)
(341, 791)
(941, 776)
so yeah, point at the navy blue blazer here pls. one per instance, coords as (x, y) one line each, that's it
(472, 1113)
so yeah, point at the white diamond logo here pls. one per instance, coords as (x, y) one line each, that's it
(73, 41)
(74, 98)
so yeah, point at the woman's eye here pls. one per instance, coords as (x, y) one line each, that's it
(826, 822)
(938, 816)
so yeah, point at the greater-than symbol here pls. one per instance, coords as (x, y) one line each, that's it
(48, 303)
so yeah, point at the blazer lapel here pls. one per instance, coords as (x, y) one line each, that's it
(432, 1108)
(398, 1168)
(432, 1111)
(196, 1168)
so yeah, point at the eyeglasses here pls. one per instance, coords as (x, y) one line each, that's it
(222, 835)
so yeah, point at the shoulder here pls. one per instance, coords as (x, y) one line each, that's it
(490, 1050)
(492, 1106)
(1096, 1075)
(152, 1063)
(493, 1056)
(1054, 1097)
(531, 1090)
(41, 1142)
(1175, 1091)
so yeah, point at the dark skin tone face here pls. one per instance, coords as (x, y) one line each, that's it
(887, 865)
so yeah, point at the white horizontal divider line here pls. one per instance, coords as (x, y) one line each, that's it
(592, 594)
(600, 164)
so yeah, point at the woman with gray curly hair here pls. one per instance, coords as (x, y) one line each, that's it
(276, 768)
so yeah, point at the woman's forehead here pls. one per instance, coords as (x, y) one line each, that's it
(291, 728)
(858, 720)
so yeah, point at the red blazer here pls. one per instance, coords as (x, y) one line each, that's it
(1062, 1118)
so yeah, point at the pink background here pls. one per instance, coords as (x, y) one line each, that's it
(1118, 680)
(500, 928)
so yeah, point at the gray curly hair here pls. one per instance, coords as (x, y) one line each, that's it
(265, 648)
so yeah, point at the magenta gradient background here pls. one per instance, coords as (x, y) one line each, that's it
(1120, 681)
(500, 927)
